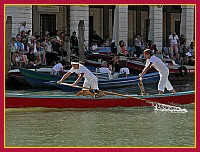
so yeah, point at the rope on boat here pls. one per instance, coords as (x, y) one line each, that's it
(157, 106)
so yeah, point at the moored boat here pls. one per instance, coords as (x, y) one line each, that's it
(173, 68)
(37, 79)
(72, 101)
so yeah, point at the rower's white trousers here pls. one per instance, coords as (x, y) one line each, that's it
(93, 84)
(164, 82)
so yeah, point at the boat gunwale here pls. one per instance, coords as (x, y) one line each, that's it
(105, 97)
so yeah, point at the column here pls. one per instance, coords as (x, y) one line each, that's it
(187, 23)
(156, 25)
(120, 28)
(78, 13)
(19, 14)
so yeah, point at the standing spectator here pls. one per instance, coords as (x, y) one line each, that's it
(182, 40)
(174, 40)
(74, 43)
(113, 47)
(138, 45)
(62, 38)
(182, 44)
(96, 38)
(23, 27)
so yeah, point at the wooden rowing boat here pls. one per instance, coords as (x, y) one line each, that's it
(72, 101)
(173, 68)
(37, 79)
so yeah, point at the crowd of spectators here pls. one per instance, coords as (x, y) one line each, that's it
(33, 50)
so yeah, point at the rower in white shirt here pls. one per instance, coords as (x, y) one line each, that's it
(90, 81)
(153, 61)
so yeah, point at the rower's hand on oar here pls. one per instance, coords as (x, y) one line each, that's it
(140, 76)
(73, 85)
(59, 82)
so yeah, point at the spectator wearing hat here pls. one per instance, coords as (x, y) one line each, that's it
(153, 61)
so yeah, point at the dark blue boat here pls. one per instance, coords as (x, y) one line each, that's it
(42, 80)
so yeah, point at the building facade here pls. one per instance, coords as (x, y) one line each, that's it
(111, 22)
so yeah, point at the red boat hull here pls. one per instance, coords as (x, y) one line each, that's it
(89, 102)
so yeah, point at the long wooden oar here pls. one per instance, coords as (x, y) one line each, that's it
(141, 86)
(108, 92)
(157, 106)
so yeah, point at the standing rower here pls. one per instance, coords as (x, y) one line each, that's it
(90, 81)
(152, 60)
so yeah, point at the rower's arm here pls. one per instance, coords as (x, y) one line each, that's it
(64, 77)
(78, 79)
(144, 71)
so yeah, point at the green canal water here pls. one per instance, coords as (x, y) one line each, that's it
(100, 127)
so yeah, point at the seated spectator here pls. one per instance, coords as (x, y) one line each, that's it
(186, 55)
(20, 59)
(59, 67)
(13, 50)
(24, 39)
(19, 46)
(46, 36)
(32, 43)
(32, 58)
(122, 49)
(104, 68)
(114, 65)
(55, 45)
(192, 48)
(94, 47)
(124, 71)
(51, 56)
(191, 61)
(41, 50)
(138, 44)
